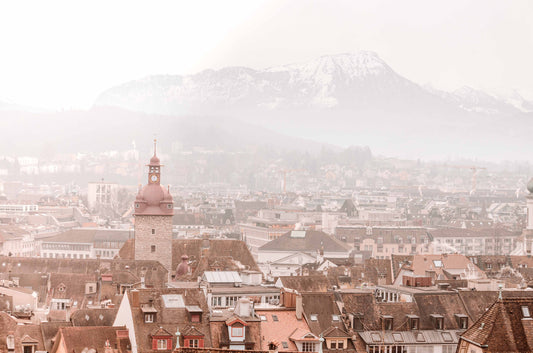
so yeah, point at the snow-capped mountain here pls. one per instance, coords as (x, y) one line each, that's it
(360, 80)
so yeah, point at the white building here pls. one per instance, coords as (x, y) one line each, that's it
(101, 193)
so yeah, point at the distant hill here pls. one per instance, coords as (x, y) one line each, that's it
(107, 128)
(343, 99)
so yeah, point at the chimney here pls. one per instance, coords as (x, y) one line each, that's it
(299, 307)
(134, 298)
(122, 335)
(107, 347)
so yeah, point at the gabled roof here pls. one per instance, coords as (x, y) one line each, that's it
(192, 331)
(504, 327)
(235, 319)
(307, 241)
(334, 331)
(318, 283)
(76, 339)
(159, 331)
(274, 324)
(300, 334)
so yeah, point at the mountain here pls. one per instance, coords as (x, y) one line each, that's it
(344, 81)
(345, 99)
(359, 80)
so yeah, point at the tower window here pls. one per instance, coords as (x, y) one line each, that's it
(152, 248)
(153, 231)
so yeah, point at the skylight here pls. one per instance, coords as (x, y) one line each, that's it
(397, 337)
(335, 317)
(173, 301)
(376, 337)
(314, 317)
(447, 337)
(437, 263)
(285, 344)
(263, 318)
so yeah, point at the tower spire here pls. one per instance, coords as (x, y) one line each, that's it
(155, 147)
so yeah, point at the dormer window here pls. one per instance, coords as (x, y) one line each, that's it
(149, 318)
(10, 342)
(413, 321)
(438, 321)
(462, 321)
(237, 330)
(387, 321)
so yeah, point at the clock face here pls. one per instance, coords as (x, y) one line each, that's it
(153, 178)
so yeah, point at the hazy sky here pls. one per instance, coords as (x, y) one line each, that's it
(62, 54)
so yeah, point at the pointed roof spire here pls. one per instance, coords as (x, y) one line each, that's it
(155, 160)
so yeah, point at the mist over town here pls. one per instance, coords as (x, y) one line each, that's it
(266, 177)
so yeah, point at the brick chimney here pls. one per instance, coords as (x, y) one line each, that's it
(134, 298)
(299, 307)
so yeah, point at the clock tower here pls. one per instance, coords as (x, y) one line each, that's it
(154, 209)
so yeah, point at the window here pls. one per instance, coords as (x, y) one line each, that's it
(439, 323)
(413, 323)
(275, 318)
(285, 344)
(193, 343)
(333, 344)
(136, 205)
(152, 248)
(340, 344)
(237, 331)
(387, 323)
(28, 349)
(449, 348)
(447, 337)
(525, 311)
(148, 318)
(153, 231)
(308, 347)
(169, 206)
(463, 322)
(162, 345)
(263, 318)
(195, 317)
